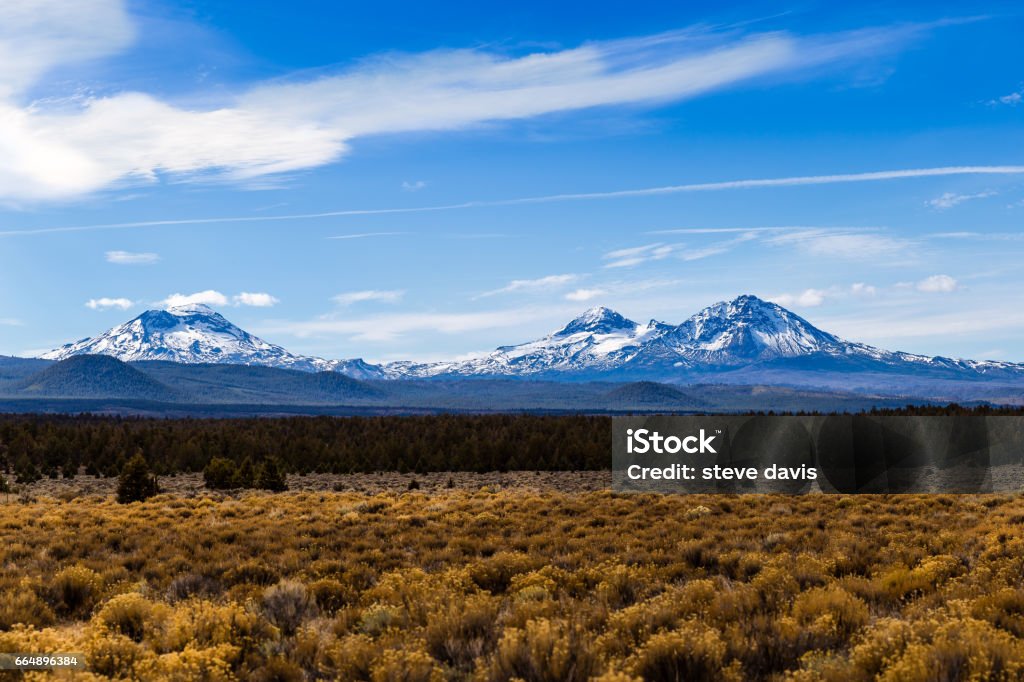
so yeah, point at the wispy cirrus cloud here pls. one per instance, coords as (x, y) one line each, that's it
(11, 322)
(636, 255)
(948, 200)
(132, 258)
(865, 244)
(546, 283)
(792, 181)
(1010, 99)
(385, 296)
(846, 242)
(268, 128)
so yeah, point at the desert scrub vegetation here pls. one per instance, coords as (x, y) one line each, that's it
(494, 585)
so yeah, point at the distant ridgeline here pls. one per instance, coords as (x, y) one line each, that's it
(53, 445)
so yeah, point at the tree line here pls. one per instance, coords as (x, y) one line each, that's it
(243, 450)
(33, 446)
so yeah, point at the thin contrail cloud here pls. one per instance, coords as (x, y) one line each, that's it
(792, 181)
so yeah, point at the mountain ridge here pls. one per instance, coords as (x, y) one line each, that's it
(744, 336)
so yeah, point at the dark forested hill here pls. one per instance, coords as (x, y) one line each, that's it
(94, 376)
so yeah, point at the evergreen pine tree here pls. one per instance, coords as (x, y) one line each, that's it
(136, 483)
(220, 473)
(270, 477)
(245, 476)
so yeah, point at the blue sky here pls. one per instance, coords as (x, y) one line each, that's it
(428, 180)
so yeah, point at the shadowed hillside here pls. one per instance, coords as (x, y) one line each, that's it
(95, 376)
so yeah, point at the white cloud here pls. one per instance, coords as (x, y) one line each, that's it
(948, 200)
(638, 255)
(812, 298)
(857, 245)
(635, 255)
(809, 298)
(38, 35)
(208, 297)
(539, 284)
(130, 258)
(862, 289)
(581, 295)
(109, 303)
(256, 300)
(10, 322)
(650, 191)
(414, 186)
(369, 295)
(937, 284)
(52, 151)
(1012, 99)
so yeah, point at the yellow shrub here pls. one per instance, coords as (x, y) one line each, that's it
(463, 632)
(544, 651)
(694, 652)
(967, 650)
(22, 606)
(192, 665)
(73, 591)
(405, 666)
(115, 655)
(133, 616)
(1004, 609)
(836, 611)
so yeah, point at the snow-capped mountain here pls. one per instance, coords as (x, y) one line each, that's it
(744, 333)
(744, 339)
(196, 334)
(599, 339)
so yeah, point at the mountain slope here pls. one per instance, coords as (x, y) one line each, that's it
(195, 334)
(95, 376)
(259, 385)
(745, 335)
(598, 340)
(745, 340)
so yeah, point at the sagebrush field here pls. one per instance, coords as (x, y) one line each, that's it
(518, 581)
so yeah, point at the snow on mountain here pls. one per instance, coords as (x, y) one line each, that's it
(746, 334)
(742, 333)
(196, 334)
(599, 339)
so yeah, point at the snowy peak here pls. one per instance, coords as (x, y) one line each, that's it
(597, 321)
(192, 309)
(197, 334)
(749, 328)
(742, 335)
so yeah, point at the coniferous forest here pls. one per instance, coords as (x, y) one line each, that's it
(33, 446)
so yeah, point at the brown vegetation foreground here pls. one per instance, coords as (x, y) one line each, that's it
(498, 584)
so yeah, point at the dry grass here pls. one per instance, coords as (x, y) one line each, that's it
(519, 582)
